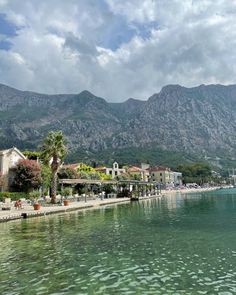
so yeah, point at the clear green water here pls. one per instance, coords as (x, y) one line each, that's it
(179, 245)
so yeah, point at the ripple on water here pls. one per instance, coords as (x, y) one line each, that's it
(127, 250)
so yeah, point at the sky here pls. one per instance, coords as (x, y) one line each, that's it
(116, 49)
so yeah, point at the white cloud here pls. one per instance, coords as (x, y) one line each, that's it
(135, 10)
(59, 45)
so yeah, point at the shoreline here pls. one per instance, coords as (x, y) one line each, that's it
(189, 190)
(28, 212)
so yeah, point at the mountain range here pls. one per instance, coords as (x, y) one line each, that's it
(191, 123)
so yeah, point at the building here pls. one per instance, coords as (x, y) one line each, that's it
(139, 173)
(232, 176)
(135, 172)
(178, 178)
(114, 171)
(162, 175)
(165, 176)
(8, 159)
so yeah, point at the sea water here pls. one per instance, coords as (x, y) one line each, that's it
(182, 244)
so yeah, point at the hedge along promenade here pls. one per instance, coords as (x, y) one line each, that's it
(13, 196)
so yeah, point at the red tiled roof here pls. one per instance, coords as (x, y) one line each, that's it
(100, 168)
(159, 168)
(134, 169)
(72, 166)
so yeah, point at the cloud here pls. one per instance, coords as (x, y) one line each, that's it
(82, 46)
(117, 49)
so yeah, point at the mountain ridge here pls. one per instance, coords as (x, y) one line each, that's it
(198, 120)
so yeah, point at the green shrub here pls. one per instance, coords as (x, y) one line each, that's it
(34, 195)
(66, 192)
(13, 195)
(27, 176)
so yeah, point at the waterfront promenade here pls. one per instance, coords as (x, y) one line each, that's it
(28, 211)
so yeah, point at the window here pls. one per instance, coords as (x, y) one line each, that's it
(161, 179)
(110, 172)
(160, 174)
(116, 172)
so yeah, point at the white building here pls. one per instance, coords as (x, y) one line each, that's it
(178, 178)
(8, 159)
(114, 171)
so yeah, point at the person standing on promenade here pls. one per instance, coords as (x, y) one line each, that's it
(18, 204)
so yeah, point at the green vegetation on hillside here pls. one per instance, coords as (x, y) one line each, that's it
(196, 173)
(131, 156)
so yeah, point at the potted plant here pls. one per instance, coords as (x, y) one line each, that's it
(34, 196)
(66, 192)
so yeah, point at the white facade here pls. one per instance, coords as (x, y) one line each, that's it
(178, 178)
(115, 170)
(145, 171)
(8, 159)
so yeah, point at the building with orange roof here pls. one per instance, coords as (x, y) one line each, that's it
(74, 166)
(139, 173)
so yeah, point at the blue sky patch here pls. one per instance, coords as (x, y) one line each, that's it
(121, 32)
(114, 40)
(144, 30)
(5, 45)
(6, 27)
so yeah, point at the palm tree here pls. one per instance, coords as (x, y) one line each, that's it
(53, 152)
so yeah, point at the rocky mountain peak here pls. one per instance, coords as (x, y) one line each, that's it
(178, 118)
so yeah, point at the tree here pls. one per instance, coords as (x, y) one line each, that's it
(108, 188)
(84, 175)
(95, 175)
(123, 176)
(135, 176)
(88, 172)
(85, 168)
(196, 172)
(67, 173)
(53, 153)
(32, 155)
(46, 178)
(1, 180)
(105, 176)
(27, 176)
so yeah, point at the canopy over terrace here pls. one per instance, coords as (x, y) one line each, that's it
(96, 181)
(133, 185)
(141, 187)
(86, 181)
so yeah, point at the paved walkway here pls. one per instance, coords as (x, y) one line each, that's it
(28, 211)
